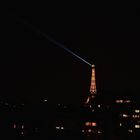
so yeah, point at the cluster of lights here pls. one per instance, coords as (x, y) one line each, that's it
(60, 127)
(137, 111)
(137, 126)
(11, 106)
(136, 116)
(122, 101)
(119, 101)
(90, 124)
(125, 115)
(93, 84)
(18, 127)
(91, 131)
(133, 116)
(45, 100)
(126, 101)
(62, 106)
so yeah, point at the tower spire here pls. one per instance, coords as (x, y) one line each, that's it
(93, 89)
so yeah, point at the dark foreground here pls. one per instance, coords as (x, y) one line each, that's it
(117, 118)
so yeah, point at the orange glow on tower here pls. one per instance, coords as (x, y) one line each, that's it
(93, 89)
(93, 82)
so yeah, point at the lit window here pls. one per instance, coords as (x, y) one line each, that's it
(88, 123)
(14, 126)
(136, 116)
(22, 126)
(83, 131)
(131, 131)
(137, 111)
(99, 132)
(99, 106)
(120, 124)
(62, 127)
(57, 127)
(89, 130)
(125, 115)
(119, 101)
(127, 101)
(45, 100)
(93, 124)
(137, 126)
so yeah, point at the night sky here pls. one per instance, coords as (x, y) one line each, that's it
(34, 69)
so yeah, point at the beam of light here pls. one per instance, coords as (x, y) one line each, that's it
(53, 41)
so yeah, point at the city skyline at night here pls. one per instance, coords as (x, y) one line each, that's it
(70, 73)
(34, 66)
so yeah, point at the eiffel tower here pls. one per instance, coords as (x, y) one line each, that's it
(93, 90)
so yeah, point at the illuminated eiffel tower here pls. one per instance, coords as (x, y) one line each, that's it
(93, 90)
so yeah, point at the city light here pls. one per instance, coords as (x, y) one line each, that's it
(14, 126)
(137, 111)
(99, 132)
(126, 101)
(123, 101)
(45, 100)
(130, 130)
(119, 101)
(125, 115)
(93, 124)
(57, 127)
(62, 127)
(22, 126)
(89, 130)
(135, 116)
(137, 126)
(83, 131)
(90, 124)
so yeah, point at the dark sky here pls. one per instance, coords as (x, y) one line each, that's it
(33, 68)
